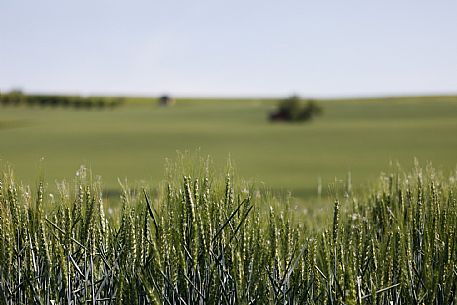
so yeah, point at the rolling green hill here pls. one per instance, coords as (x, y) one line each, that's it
(132, 141)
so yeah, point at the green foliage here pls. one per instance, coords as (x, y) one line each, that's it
(17, 98)
(206, 240)
(293, 109)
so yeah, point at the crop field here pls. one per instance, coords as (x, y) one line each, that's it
(144, 224)
(207, 240)
(361, 137)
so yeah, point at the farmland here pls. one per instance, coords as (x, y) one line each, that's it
(206, 239)
(185, 230)
(132, 141)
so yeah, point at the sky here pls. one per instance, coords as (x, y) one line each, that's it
(255, 48)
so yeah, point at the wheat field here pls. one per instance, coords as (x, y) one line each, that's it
(206, 237)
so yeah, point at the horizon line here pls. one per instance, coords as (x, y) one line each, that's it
(234, 96)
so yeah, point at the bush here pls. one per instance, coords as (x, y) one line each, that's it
(15, 98)
(293, 109)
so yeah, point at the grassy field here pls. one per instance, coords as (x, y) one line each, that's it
(132, 141)
(205, 237)
(210, 240)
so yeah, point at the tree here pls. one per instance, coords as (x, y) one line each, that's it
(293, 109)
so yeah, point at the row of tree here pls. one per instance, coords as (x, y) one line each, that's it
(17, 98)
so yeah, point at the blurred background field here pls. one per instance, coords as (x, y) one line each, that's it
(132, 141)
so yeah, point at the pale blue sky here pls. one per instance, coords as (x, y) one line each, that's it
(229, 48)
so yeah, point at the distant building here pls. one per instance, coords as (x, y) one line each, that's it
(166, 100)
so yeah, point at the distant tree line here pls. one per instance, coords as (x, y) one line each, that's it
(294, 109)
(17, 98)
